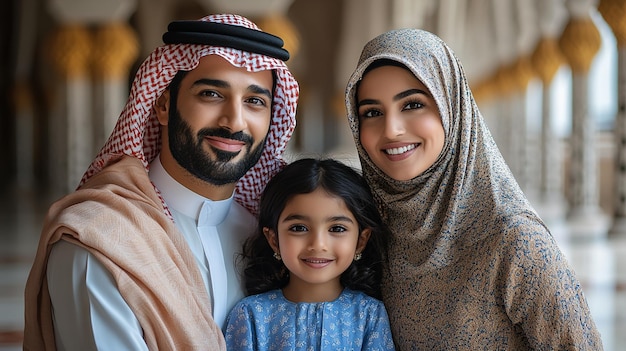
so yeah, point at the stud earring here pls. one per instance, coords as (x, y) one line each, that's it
(358, 256)
(277, 256)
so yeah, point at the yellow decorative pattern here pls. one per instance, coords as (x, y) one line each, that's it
(614, 13)
(115, 49)
(70, 49)
(521, 73)
(504, 83)
(281, 26)
(580, 43)
(546, 59)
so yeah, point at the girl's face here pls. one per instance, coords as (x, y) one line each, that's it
(400, 126)
(317, 238)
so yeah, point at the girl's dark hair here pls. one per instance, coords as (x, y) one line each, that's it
(263, 272)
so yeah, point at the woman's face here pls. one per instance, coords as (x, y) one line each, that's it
(400, 126)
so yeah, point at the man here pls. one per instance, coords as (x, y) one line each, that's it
(142, 255)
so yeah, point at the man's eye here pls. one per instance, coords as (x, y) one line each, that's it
(257, 101)
(209, 93)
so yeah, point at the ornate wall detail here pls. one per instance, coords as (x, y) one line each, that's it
(580, 43)
(115, 49)
(546, 59)
(614, 13)
(70, 49)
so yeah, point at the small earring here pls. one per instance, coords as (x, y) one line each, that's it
(277, 256)
(358, 256)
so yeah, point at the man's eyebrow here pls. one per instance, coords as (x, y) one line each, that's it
(212, 82)
(257, 89)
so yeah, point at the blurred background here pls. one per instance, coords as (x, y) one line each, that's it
(548, 75)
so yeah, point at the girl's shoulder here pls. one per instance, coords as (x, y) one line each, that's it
(358, 298)
(266, 297)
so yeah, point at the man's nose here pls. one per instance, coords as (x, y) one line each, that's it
(233, 117)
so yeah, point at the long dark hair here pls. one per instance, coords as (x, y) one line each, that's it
(263, 272)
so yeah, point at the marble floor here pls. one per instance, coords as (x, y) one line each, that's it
(600, 264)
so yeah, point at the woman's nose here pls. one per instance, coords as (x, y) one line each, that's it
(394, 125)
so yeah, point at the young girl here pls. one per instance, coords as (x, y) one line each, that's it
(314, 266)
(471, 265)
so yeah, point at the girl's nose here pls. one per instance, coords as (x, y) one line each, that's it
(318, 242)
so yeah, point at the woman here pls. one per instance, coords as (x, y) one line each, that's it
(472, 266)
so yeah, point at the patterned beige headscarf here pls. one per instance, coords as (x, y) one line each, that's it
(137, 132)
(469, 185)
(471, 265)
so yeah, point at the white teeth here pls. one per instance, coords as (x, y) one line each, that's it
(317, 261)
(400, 150)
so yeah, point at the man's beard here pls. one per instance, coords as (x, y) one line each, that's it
(190, 154)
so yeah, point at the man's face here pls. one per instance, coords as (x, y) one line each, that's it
(219, 122)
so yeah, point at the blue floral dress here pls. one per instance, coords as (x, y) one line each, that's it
(268, 321)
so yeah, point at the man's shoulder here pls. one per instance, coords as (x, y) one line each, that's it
(239, 213)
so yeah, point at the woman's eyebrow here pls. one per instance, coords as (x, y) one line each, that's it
(409, 92)
(396, 97)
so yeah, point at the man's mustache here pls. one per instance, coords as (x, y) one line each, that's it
(224, 133)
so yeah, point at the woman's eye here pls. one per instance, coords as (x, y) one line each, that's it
(413, 105)
(370, 113)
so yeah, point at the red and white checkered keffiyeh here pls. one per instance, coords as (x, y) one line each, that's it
(137, 132)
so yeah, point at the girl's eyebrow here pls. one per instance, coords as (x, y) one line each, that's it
(396, 97)
(331, 219)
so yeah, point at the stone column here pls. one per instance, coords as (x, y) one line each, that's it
(76, 51)
(508, 106)
(23, 96)
(114, 51)
(579, 42)
(352, 37)
(546, 60)
(521, 73)
(70, 127)
(614, 12)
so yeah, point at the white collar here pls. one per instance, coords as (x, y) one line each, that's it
(185, 201)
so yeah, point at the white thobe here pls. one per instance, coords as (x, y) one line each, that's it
(89, 312)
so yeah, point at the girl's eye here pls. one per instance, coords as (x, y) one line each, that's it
(337, 229)
(412, 105)
(298, 228)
